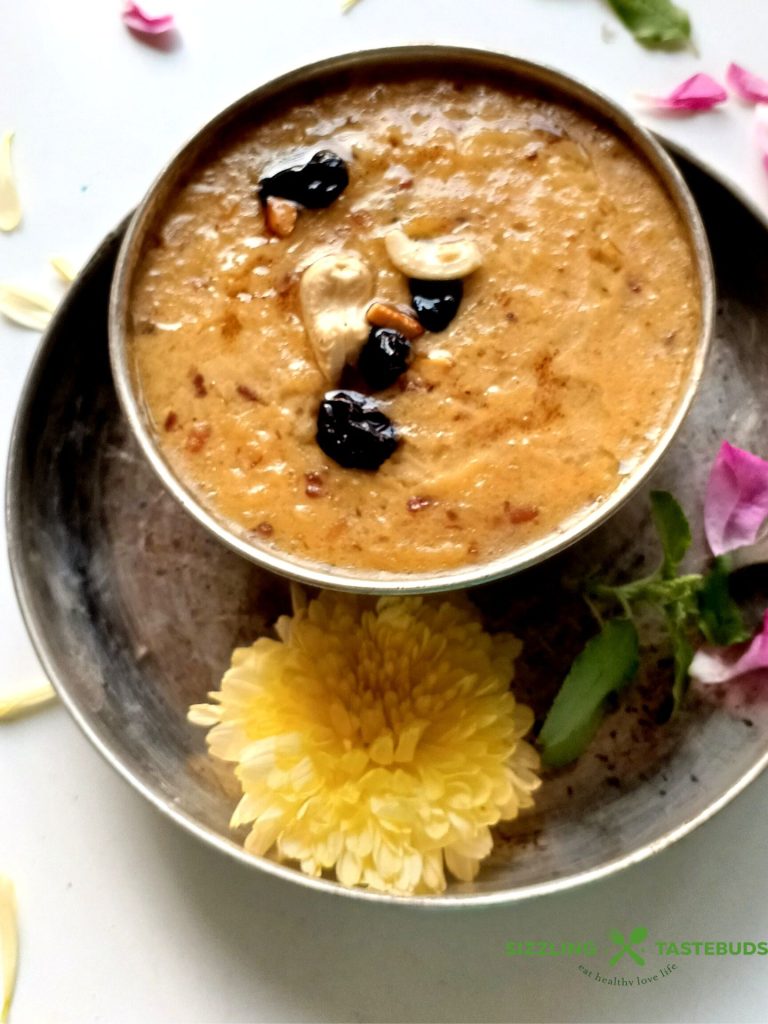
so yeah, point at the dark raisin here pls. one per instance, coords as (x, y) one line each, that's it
(326, 177)
(436, 303)
(384, 357)
(353, 431)
(315, 185)
(287, 184)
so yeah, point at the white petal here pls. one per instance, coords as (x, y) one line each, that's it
(264, 832)
(433, 874)
(26, 308)
(349, 868)
(63, 268)
(464, 868)
(10, 206)
(204, 714)
(25, 700)
(9, 943)
(477, 847)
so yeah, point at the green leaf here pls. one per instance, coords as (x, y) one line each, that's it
(654, 22)
(682, 650)
(606, 664)
(719, 618)
(673, 529)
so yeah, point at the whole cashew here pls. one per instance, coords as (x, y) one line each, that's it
(445, 259)
(335, 293)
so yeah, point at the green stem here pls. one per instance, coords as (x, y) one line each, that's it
(652, 590)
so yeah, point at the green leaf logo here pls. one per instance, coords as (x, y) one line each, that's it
(636, 936)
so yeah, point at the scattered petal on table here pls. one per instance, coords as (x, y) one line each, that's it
(10, 207)
(761, 115)
(746, 85)
(701, 92)
(26, 308)
(9, 943)
(63, 268)
(145, 22)
(22, 701)
(736, 501)
(721, 664)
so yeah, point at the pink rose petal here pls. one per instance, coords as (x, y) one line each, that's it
(148, 24)
(746, 85)
(721, 664)
(761, 115)
(736, 502)
(697, 93)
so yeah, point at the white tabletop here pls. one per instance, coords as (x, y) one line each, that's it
(123, 916)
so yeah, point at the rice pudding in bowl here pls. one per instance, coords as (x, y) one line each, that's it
(412, 323)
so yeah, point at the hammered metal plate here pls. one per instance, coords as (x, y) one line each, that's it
(134, 609)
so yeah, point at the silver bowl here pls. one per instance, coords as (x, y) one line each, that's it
(423, 60)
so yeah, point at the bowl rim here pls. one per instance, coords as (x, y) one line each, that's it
(47, 656)
(428, 58)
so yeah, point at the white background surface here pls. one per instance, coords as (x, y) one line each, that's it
(124, 917)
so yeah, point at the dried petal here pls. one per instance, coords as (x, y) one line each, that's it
(736, 502)
(761, 115)
(721, 664)
(10, 207)
(26, 308)
(26, 700)
(746, 85)
(63, 268)
(142, 21)
(9, 943)
(697, 93)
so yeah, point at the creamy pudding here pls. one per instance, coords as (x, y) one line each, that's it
(566, 357)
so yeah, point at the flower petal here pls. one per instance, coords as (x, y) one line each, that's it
(26, 308)
(700, 92)
(720, 664)
(9, 943)
(761, 117)
(140, 20)
(25, 700)
(736, 502)
(746, 85)
(340, 770)
(63, 268)
(461, 867)
(10, 206)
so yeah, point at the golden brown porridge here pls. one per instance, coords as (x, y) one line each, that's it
(565, 360)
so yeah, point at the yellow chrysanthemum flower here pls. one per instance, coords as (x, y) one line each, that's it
(376, 738)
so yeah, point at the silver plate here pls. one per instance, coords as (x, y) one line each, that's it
(134, 608)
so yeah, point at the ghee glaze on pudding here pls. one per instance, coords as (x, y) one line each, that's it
(527, 387)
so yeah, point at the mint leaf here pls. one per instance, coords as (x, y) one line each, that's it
(606, 664)
(673, 529)
(654, 22)
(677, 616)
(683, 653)
(719, 618)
